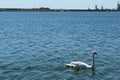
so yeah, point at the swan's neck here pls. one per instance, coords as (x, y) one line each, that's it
(93, 62)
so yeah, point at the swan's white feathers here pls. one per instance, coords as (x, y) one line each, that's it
(78, 65)
(82, 65)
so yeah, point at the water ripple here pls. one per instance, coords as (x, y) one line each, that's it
(36, 46)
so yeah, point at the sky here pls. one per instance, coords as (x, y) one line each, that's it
(58, 4)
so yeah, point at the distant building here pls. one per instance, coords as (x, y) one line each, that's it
(102, 8)
(96, 8)
(118, 5)
(89, 9)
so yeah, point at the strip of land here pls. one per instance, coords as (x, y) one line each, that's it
(51, 10)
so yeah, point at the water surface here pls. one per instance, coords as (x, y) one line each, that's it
(37, 45)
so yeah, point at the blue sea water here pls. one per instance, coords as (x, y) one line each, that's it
(37, 45)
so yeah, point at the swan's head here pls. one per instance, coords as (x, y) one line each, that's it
(94, 53)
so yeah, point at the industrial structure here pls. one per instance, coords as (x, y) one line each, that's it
(118, 5)
(117, 8)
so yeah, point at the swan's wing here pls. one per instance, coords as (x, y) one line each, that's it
(81, 64)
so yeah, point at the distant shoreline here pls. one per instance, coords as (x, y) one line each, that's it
(53, 10)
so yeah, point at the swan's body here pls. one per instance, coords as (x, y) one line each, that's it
(78, 65)
(82, 65)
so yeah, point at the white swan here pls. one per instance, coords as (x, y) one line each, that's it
(83, 65)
